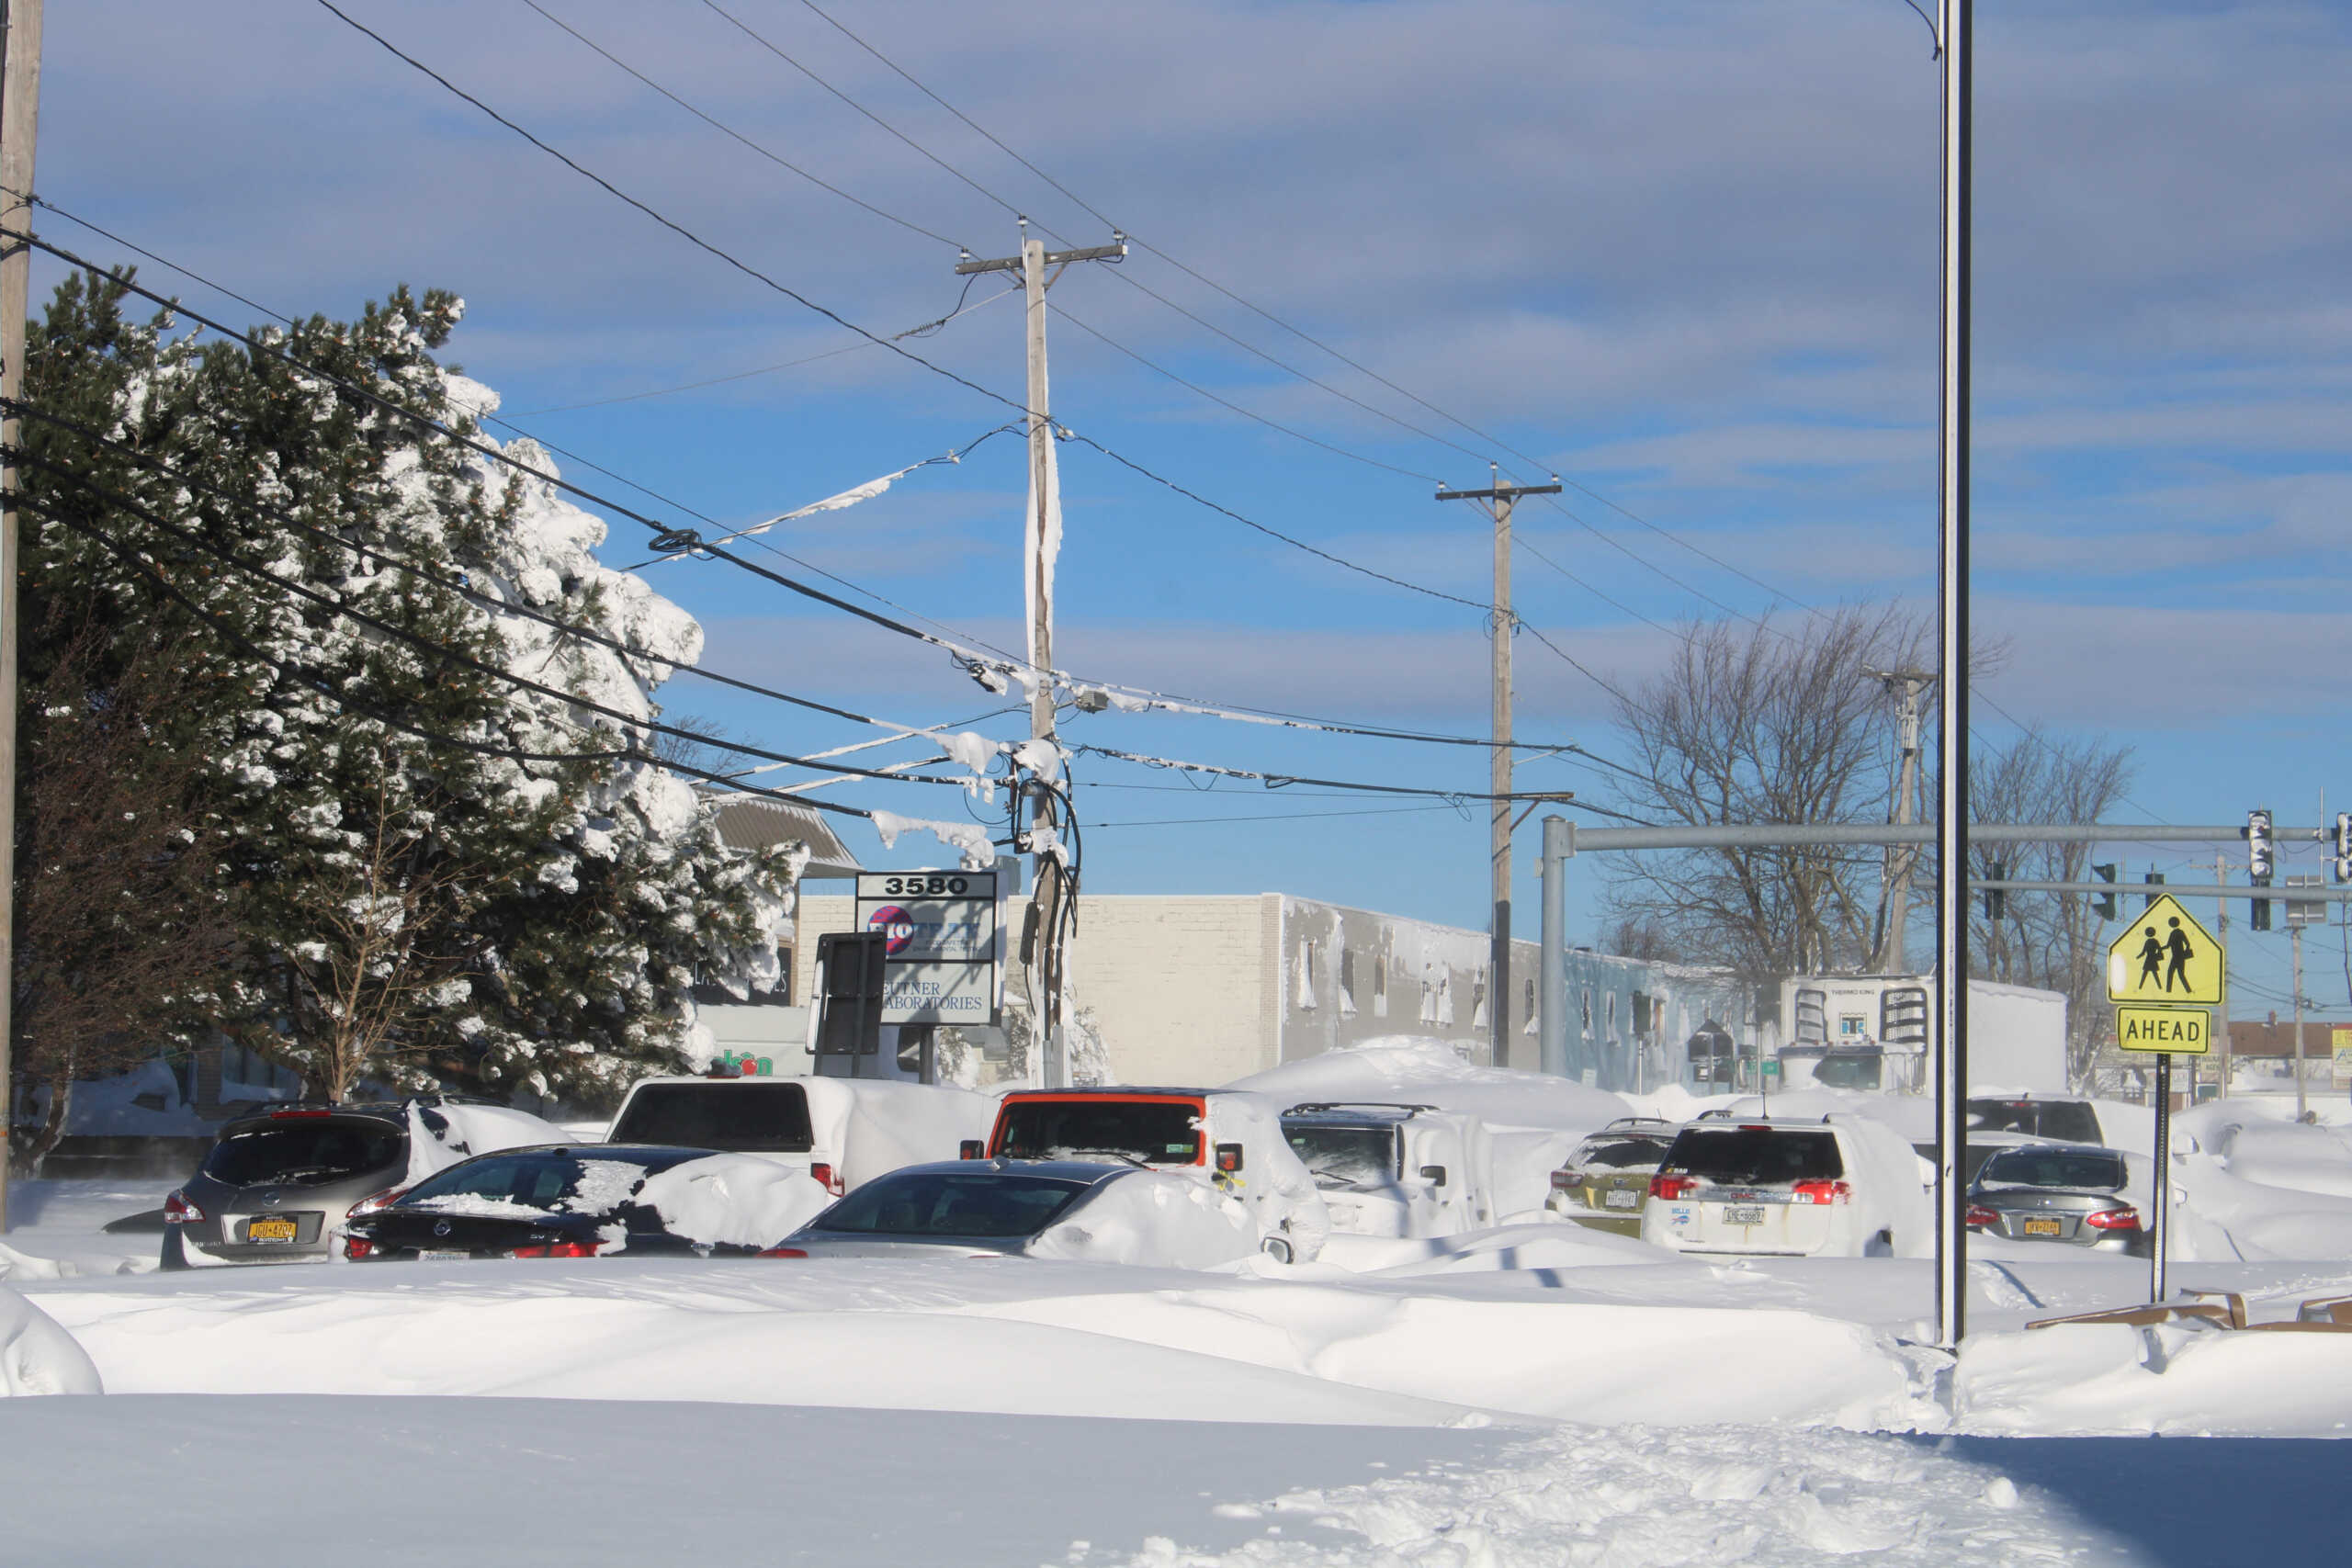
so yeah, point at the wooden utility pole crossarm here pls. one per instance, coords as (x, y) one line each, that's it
(1498, 501)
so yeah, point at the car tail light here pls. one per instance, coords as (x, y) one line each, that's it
(1823, 1193)
(1980, 1216)
(1567, 1180)
(2113, 1220)
(1672, 1187)
(558, 1249)
(357, 1246)
(178, 1211)
(830, 1178)
(782, 1252)
(373, 1202)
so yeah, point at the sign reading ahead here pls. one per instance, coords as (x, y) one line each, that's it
(2189, 1031)
(2165, 957)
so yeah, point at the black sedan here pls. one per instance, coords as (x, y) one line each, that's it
(562, 1200)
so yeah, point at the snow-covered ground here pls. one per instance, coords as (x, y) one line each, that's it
(1537, 1393)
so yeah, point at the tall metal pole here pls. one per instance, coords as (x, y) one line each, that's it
(1951, 806)
(19, 115)
(1552, 1007)
(2222, 1013)
(2301, 1110)
(1499, 775)
(2160, 1199)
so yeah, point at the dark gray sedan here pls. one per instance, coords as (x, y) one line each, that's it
(275, 1185)
(2068, 1193)
(969, 1206)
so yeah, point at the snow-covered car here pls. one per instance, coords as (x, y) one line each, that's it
(274, 1186)
(1606, 1179)
(583, 1201)
(1229, 1140)
(1839, 1187)
(2297, 1158)
(2037, 1115)
(1070, 1210)
(844, 1132)
(1395, 1170)
(2068, 1193)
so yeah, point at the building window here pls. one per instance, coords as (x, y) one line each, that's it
(1379, 989)
(1306, 972)
(1588, 1011)
(1529, 1027)
(1609, 1006)
(1445, 997)
(1347, 981)
(1478, 1003)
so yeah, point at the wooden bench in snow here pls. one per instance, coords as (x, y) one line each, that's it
(2321, 1315)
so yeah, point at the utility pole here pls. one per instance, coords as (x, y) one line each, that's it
(2301, 1110)
(1497, 501)
(19, 114)
(1904, 686)
(1041, 549)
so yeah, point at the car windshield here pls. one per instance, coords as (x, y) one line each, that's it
(305, 1152)
(982, 1203)
(1753, 1156)
(1615, 1151)
(1154, 1132)
(2053, 1167)
(541, 1182)
(1345, 1156)
(1850, 1072)
(771, 1118)
(2067, 1119)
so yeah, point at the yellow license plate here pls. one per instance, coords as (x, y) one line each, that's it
(270, 1230)
(2043, 1227)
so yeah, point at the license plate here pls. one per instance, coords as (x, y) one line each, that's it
(441, 1255)
(1622, 1198)
(270, 1230)
(1745, 1214)
(2043, 1227)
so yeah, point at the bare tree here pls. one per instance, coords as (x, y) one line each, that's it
(2053, 941)
(114, 929)
(1761, 723)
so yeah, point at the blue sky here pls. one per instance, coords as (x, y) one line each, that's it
(1684, 253)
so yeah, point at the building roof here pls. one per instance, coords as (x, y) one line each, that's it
(753, 822)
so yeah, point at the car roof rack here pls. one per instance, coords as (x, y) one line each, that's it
(1309, 1107)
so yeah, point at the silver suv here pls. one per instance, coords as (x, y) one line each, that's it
(277, 1184)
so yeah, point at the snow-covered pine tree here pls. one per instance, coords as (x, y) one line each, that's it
(408, 907)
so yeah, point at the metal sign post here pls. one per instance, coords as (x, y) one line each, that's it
(2161, 1205)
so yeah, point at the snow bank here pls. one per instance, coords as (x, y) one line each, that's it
(734, 1200)
(441, 1134)
(1535, 1119)
(37, 1355)
(881, 1126)
(1274, 1184)
(2172, 1380)
(1152, 1217)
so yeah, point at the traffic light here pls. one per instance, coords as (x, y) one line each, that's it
(2153, 879)
(2260, 860)
(2343, 846)
(2104, 905)
(1996, 900)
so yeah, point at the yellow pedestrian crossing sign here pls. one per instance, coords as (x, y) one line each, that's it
(2164, 956)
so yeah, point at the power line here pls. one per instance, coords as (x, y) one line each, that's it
(746, 268)
(1277, 781)
(336, 605)
(1270, 816)
(455, 583)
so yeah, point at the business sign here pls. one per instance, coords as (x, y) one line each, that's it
(2340, 1037)
(942, 943)
(2186, 1031)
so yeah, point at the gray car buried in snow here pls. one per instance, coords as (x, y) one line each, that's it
(971, 1208)
(2071, 1194)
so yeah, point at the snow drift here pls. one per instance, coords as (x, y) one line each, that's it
(734, 1200)
(37, 1355)
(1152, 1217)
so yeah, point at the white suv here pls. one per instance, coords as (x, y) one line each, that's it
(1840, 1186)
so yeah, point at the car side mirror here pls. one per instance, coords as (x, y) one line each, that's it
(1434, 1175)
(970, 1149)
(1229, 1159)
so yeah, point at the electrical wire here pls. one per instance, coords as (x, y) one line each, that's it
(335, 605)
(746, 268)
(1272, 816)
(1277, 781)
(455, 583)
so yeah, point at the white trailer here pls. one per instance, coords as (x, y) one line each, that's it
(1877, 1032)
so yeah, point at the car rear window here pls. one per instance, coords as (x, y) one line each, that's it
(975, 1203)
(2052, 1168)
(771, 1118)
(1358, 1157)
(305, 1152)
(1753, 1156)
(1620, 1154)
(1158, 1131)
(2069, 1120)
